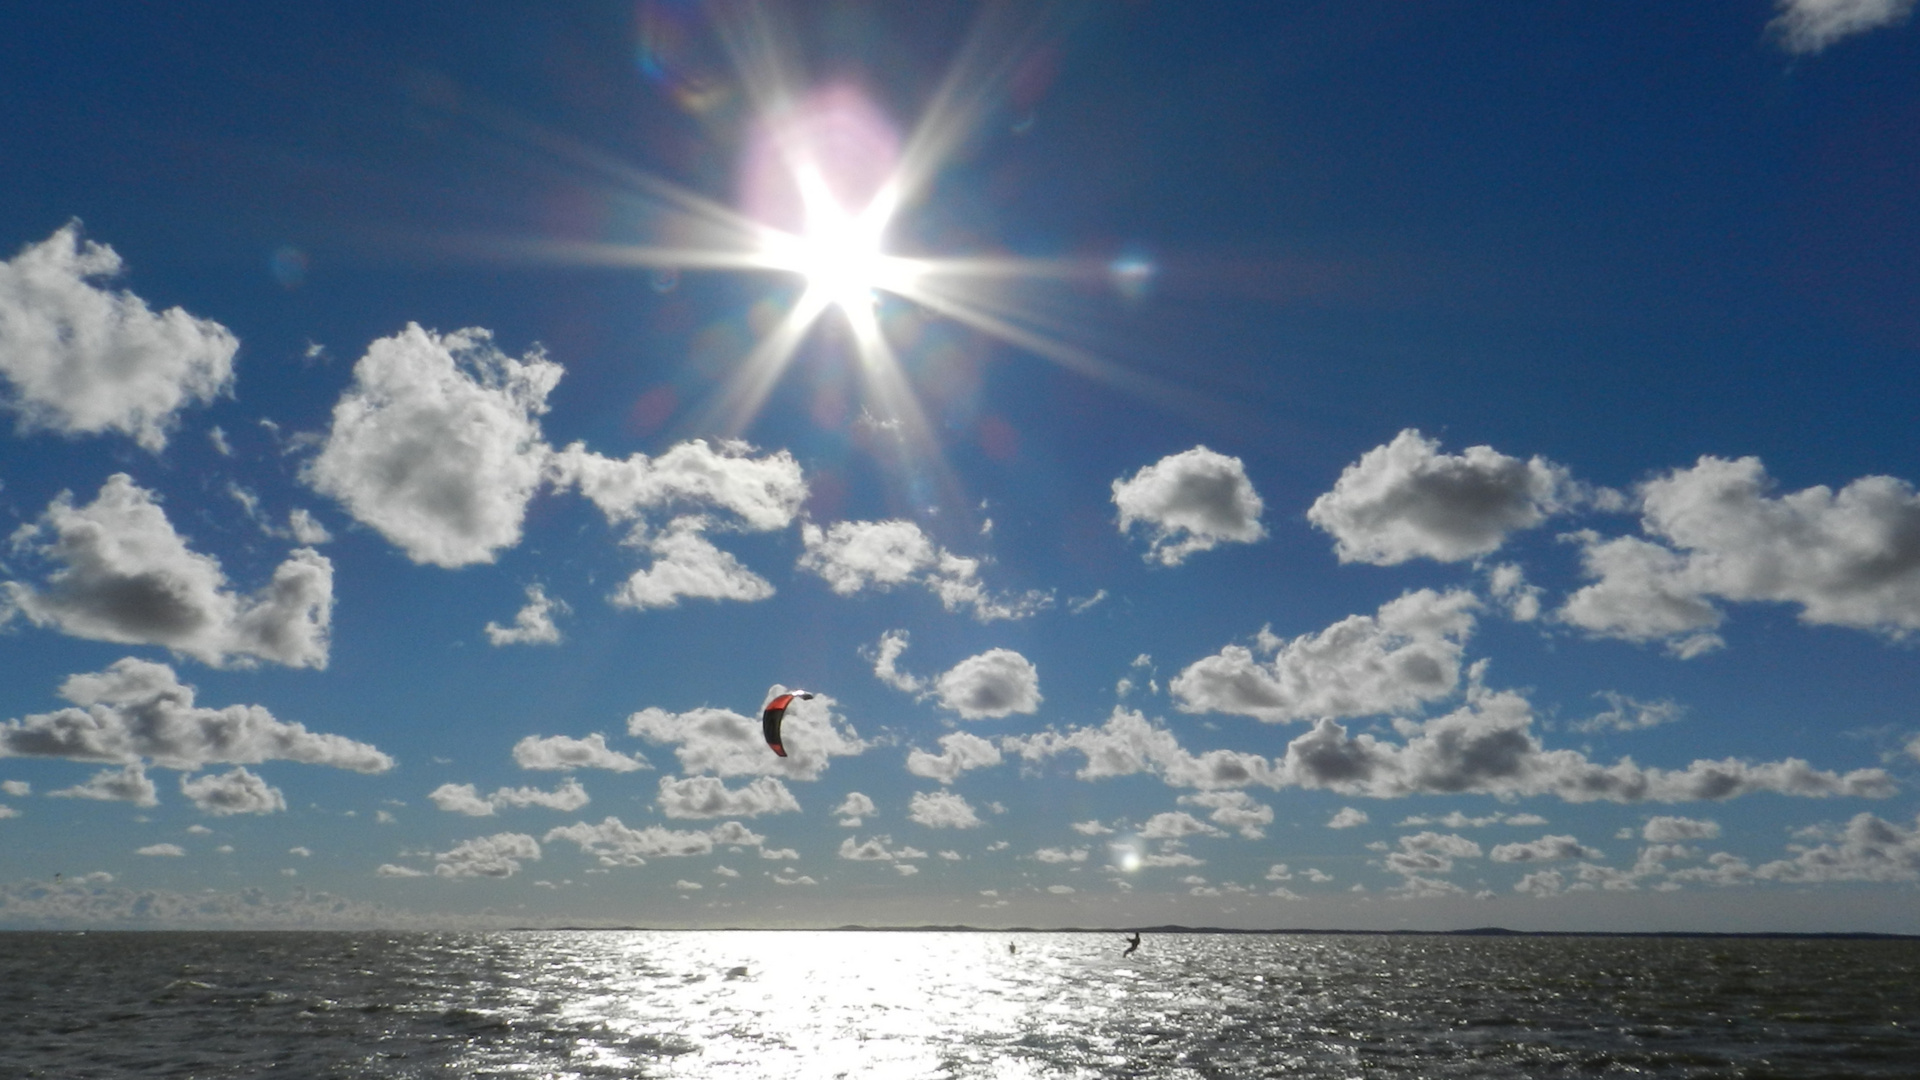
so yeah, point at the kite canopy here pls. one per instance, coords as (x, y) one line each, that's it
(776, 712)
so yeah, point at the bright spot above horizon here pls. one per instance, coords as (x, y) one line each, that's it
(839, 253)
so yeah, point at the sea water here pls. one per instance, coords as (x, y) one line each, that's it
(897, 1005)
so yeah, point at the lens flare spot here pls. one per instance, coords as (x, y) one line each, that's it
(1132, 275)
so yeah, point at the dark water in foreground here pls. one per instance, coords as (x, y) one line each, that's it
(950, 1005)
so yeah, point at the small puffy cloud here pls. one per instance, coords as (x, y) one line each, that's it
(566, 752)
(706, 488)
(709, 797)
(236, 791)
(392, 870)
(80, 360)
(687, 564)
(1545, 849)
(763, 493)
(1091, 828)
(617, 845)
(1430, 853)
(996, 683)
(1347, 818)
(1488, 747)
(461, 799)
(1190, 502)
(1670, 830)
(437, 444)
(1061, 890)
(125, 576)
(496, 856)
(306, 529)
(853, 556)
(1407, 654)
(1507, 584)
(1457, 820)
(137, 709)
(1847, 558)
(1061, 855)
(19, 789)
(303, 852)
(1642, 595)
(886, 657)
(169, 850)
(856, 555)
(1175, 825)
(942, 810)
(1406, 500)
(466, 799)
(854, 810)
(1541, 883)
(1235, 810)
(534, 624)
(1808, 26)
(725, 743)
(129, 784)
(877, 849)
(1129, 743)
(1869, 849)
(959, 751)
(1627, 714)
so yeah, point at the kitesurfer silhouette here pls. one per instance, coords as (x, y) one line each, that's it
(1132, 944)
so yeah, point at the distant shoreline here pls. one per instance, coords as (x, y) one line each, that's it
(1480, 931)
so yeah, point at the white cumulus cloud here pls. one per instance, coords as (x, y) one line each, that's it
(959, 751)
(687, 564)
(1129, 743)
(466, 799)
(137, 709)
(1846, 558)
(1190, 502)
(1407, 500)
(1234, 810)
(437, 444)
(853, 556)
(995, 683)
(534, 624)
(125, 576)
(80, 360)
(1670, 830)
(1488, 747)
(1545, 849)
(709, 797)
(854, 810)
(496, 856)
(616, 844)
(129, 784)
(567, 752)
(1808, 26)
(236, 791)
(1407, 654)
(942, 810)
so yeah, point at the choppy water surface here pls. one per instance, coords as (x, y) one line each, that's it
(950, 1005)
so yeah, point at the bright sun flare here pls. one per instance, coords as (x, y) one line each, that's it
(839, 255)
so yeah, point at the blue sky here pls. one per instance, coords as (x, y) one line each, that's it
(1395, 466)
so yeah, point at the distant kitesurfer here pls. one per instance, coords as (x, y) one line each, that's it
(1132, 944)
(1010, 949)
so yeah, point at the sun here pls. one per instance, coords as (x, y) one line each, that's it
(840, 253)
